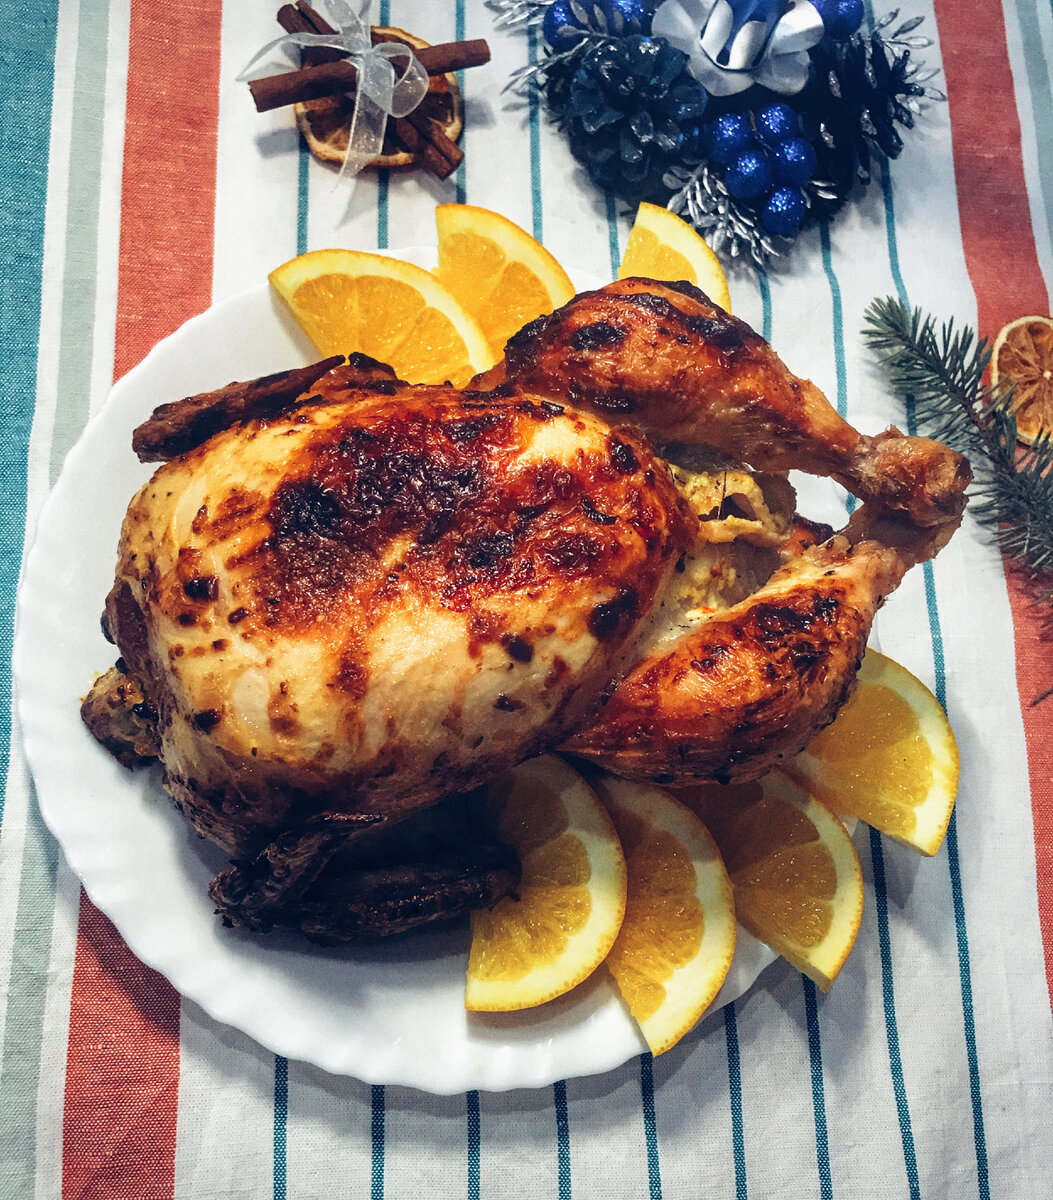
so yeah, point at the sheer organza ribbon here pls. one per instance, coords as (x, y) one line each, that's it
(382, 89)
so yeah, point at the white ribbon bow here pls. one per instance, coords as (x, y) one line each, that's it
(735, 43)
(381, 90)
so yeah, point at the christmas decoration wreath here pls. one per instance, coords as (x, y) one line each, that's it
(750, 118)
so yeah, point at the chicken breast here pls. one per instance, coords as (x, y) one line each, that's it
(383, 596)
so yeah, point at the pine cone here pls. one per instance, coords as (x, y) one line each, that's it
(849, 109)
(630, 109)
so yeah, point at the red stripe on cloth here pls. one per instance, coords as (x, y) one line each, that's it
(122, 1073)
(169, 186)
(1003, 265)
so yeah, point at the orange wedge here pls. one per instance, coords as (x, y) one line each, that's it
(890, 757)
(497, 271)
(796, 876)
(1022, 358)
(677, 940)
(398, 313)
(662, 245)
(559, 925)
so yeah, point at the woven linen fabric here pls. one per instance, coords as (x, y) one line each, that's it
(137, 187)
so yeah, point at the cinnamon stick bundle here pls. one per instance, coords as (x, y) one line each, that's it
(332, 78)
(325, 73)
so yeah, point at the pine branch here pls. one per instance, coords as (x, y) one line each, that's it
(940, 373)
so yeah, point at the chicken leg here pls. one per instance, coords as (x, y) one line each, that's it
(665, 359)
(753, 684)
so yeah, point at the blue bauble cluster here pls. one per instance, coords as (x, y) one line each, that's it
(618, 17)
(841, 18)
(767, 162)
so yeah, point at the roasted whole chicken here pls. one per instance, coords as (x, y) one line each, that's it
(344, 601)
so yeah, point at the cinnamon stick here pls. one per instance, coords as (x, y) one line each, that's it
(433, 135)
(332, 78)
(301, 18)
(426, 146)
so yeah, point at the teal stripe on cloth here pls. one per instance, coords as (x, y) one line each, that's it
(765, 292)
(888, 994)
(953, 861)
(534, 126)
(281, 1120)
(471, 1100)
(303, 177)
(838, 319)
(460, 181)
(27, 68)
(383, 189)
(654, 1171)
(383, 176)
(613, 238)
(738, 1139)
(1037, 68)
(559, 1096)
(376, 1136)
(815, 1057)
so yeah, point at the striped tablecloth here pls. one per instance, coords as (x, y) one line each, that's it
(137, 185)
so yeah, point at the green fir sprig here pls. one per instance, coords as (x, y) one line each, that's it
(939, 373)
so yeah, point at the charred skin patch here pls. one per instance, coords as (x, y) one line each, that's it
(602, 333)
(607, 619)
(476, 514)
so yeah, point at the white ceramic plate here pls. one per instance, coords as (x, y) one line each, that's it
(393, 1013)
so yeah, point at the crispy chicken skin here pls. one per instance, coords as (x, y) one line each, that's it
(345, 607)
(666, 360)
(733, 693)
(383, 597)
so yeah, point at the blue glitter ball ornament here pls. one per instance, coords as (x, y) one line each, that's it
(793, 161)
(775, 123)
(617, 17)
(727, 137)
(749, 175)
(827, 10)
(557, 26)
(783, 211)
(841, 18)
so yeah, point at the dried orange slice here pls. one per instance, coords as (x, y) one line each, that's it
(677, 940)
(498, 272)
(398, 313)
(560, 923)
(662, 245)
(796, 875)
(1023, 358)
(890, 757)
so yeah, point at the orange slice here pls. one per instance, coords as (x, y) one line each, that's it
(559, 925)
(796, 876)
(677, 940)
(398, 313)
(890, 757)
(498, 272)
(1023, 359)
(662, 245)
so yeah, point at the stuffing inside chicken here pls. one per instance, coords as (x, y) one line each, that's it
(347, 601)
